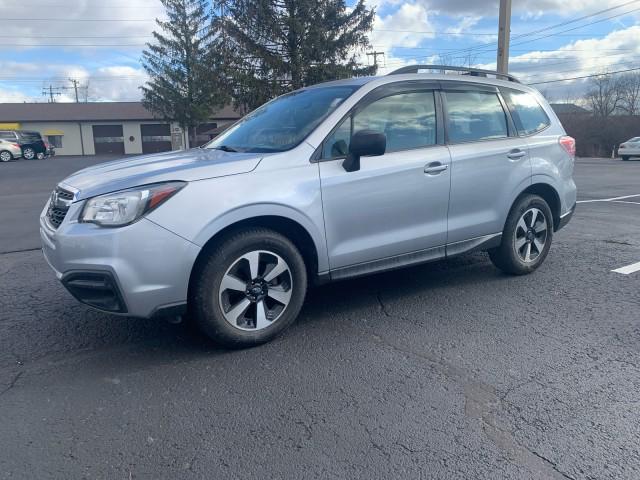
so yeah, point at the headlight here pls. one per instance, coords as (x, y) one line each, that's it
(127, 206)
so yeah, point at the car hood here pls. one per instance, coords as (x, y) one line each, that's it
(186, 165)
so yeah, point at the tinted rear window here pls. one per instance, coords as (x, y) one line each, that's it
(527, 113)
(475, 116)
(30, 136)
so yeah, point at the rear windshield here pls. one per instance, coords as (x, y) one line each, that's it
(30, 136)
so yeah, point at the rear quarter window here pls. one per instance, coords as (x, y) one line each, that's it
(527, 113)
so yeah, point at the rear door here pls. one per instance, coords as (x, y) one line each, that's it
(396, 203)
(489, 162)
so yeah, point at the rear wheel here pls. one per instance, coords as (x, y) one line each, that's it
(250, 288)
(526, 238)
(40, 156)
(6, 156)
(29, 153)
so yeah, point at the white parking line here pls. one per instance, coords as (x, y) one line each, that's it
(624, 201)
(609, 199)
(634, 267)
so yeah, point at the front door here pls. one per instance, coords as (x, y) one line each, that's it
(396, 204)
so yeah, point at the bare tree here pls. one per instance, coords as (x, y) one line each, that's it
(604, 95)
(630, 93)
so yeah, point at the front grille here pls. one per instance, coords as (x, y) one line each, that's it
(63, 194)
(59, 206)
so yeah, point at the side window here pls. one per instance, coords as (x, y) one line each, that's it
(475, 116)
(527, 113)
(407, 119)
(8, 136)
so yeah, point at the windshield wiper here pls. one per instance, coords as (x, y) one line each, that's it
(225, 148)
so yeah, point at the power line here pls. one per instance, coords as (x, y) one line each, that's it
(579, 26)
(629, 63)
(585, 76)
(80, 19)
(82, 45)
(560, 25)
(77, 36)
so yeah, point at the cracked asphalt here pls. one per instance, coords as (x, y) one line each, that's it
(449, 370)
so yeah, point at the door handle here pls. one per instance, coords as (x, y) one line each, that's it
(516, 153)
(434, 168)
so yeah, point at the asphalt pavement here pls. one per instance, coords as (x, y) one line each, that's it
(450, 370)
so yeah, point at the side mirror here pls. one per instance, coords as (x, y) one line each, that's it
(364, 143)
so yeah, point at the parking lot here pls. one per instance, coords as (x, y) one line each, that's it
(448, 370)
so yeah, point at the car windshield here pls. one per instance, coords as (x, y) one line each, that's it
(282, 123)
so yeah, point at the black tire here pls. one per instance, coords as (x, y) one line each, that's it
(506, 257)
(6, 156)
(204, 303)
(40, 155)
(29, 153)
(625, 158)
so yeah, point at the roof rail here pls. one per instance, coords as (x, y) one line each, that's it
(474, 72)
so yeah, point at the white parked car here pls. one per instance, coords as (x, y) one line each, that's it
(9, 150)
(630, 148)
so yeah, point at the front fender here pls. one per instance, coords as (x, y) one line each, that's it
(257, 210)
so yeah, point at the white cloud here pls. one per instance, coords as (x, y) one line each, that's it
(527, 8)
(117, 83)
(616, 51)
(398, 29)
(25, 28)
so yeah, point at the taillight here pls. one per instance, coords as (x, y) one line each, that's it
(569, 144)
(16, 145)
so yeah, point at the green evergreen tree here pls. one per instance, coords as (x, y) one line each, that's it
(186, 82)
(274, 46)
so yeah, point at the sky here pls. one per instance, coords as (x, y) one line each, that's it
(47, 42)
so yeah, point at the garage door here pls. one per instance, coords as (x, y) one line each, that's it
(156, 137)
(108, 139)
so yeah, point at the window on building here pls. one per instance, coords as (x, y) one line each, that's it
(527, 113)
(407, 119)
(55, 140)
(475, 116)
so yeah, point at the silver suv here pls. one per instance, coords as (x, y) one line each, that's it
(329, 182)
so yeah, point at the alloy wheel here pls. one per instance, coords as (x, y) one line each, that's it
(5, 156)
(256, 290)
(29, 153)
(531, 235)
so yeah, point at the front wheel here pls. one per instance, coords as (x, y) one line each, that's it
(526, 238)
(249, 289)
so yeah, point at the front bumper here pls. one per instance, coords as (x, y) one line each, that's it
(138, 270)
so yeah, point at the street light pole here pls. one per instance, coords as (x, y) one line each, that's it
(504, 31)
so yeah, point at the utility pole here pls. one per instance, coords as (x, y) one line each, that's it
(51, 92)
(375, 55)
(75, 83)
(504, 32)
